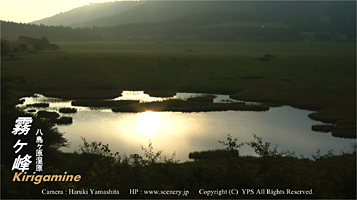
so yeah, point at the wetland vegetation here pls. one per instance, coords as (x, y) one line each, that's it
(67, 110)
(321, 78)
(300, 54)
(222, 168)
(187, 106)
(321, 75)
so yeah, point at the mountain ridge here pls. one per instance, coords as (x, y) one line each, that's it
(87, 12)
(210, 22)
(123, 12)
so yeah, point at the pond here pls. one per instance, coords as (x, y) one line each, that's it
(182, 133)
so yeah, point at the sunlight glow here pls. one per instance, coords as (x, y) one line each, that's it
(149, 122)
(27, 11)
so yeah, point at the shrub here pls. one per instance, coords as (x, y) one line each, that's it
(5, 48)
(95, 148)
(263, 149)
(232, 144)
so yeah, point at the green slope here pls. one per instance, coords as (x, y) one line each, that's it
(156, 11)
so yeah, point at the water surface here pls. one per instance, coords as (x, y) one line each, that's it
(183, 133)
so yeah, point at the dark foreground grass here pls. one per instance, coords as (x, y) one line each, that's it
(324, 177)
(212, 154)
(319, 77)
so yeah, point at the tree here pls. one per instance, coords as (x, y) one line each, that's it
(5, 48)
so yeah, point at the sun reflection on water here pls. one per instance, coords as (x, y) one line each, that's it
(149, 122)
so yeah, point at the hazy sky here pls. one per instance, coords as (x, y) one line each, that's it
(31, 10)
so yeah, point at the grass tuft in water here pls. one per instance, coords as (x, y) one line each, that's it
(67, 110)
(39, 105)
(323, 128)
(47, 115)
(205, 98)
(64, 120)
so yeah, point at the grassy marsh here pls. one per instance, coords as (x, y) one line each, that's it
(64, 120)
(67, 110)
(187, 106)
(205, 98)
(315, 76)
(39, 105)
(47, 114)
(102, 103)
(323, 128)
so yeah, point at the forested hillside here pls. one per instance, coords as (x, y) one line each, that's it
(157, 21)
(117, 13)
